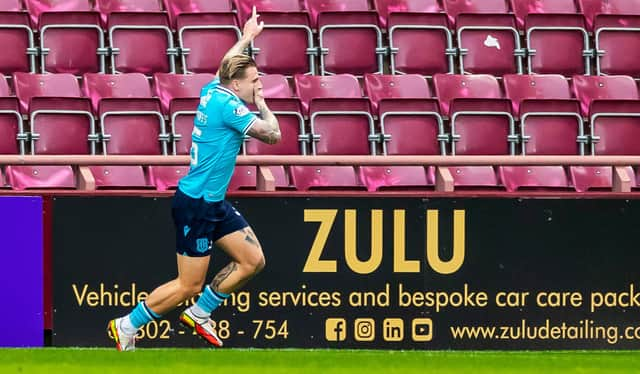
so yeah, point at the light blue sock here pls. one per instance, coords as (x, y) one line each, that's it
(141, 315)
(209, 301)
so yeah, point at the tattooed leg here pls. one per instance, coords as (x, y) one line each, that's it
(247, 260)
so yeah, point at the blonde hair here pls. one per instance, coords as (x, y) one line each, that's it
(235, 68)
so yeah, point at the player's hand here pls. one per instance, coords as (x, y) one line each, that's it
(252, 28)
(258, 96)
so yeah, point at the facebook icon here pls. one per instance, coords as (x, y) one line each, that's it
(335, 329)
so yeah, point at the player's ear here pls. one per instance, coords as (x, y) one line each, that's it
(235, 84)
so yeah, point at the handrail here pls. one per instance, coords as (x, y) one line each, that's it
(326, 160)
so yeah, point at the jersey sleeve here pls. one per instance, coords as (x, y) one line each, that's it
(237, 116)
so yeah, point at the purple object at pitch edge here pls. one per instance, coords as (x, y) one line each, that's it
(21, 277)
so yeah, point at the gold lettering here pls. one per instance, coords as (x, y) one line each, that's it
(314, 264)
(79, 297)
(350, 249)
(400, 263)
(433, 256)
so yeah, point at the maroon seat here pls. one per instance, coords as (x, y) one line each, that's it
(410, 86)
(177, 7)
(141, 42)
(534, 177)
(37, 8)
(166, 177)
(585, 178)
(615, 127)
(420, 43)
(311, 87)
(22, 177)
(590, 88)
(106, 7)
(535, 86)
(522, 8)
(306, 178)
(12, 132)
(457, 7)
(131, 120)
(17, 40)
(552, 127)
(275, 86)
(558, 44)
(315, 7)
(378, 178)
(245, 178)
(294, 137)
(10, 5)
(59, 30)
(489, 44)
(386, 7)
(591, 8)
(449, 87)
(474, 177)
(617, 43)
(28, 86)
(204, 38)
(119, 177)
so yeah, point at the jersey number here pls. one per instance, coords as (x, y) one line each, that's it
(194, 154)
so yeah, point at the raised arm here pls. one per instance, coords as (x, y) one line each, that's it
(251, 29)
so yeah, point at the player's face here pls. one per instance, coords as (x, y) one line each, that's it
(247, 85)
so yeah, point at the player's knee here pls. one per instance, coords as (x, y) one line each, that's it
(190, 289)
(255, 263)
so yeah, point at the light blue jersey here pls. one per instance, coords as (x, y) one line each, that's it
(221, 122)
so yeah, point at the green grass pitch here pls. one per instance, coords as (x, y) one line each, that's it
(266, 361)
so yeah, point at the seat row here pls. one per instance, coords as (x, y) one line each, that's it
(331, 37)
(336, 178)
(398, 115)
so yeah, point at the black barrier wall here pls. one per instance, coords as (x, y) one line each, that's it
(369, 273)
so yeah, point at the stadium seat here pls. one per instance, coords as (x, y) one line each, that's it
(306, 178)
(313, 87)
(410, 122)
(420, 44)
(535, 86)
(489, 44)
(12, 131)
(474, 177)
(179, 86)
(522, 8)
(589, 88)
(615, 127)
(386, 7)
(3, 181)
(131, 85)
(456, 7)
(166, 177)
(37, 8)
(245, 178)
(179, 95)
(315, 7)
(547, 34)
(481, 121)
(585, 178)
(59, 30)
(106, 7)
(294, 138)
(617, 43)
(552, 127)
(28, 86)
(177, 7)
(131, 120)
(285, 28)
(22, 177)
(10, 5)
(141, 43)
(350, 42)
(534, 177)
(119, 177)
(61, 119)
(17, 41)
(591, 8)
(62, 126)
(410, 86)
(340, 119)
(204, 38)
(378, 178)
(276, 86)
